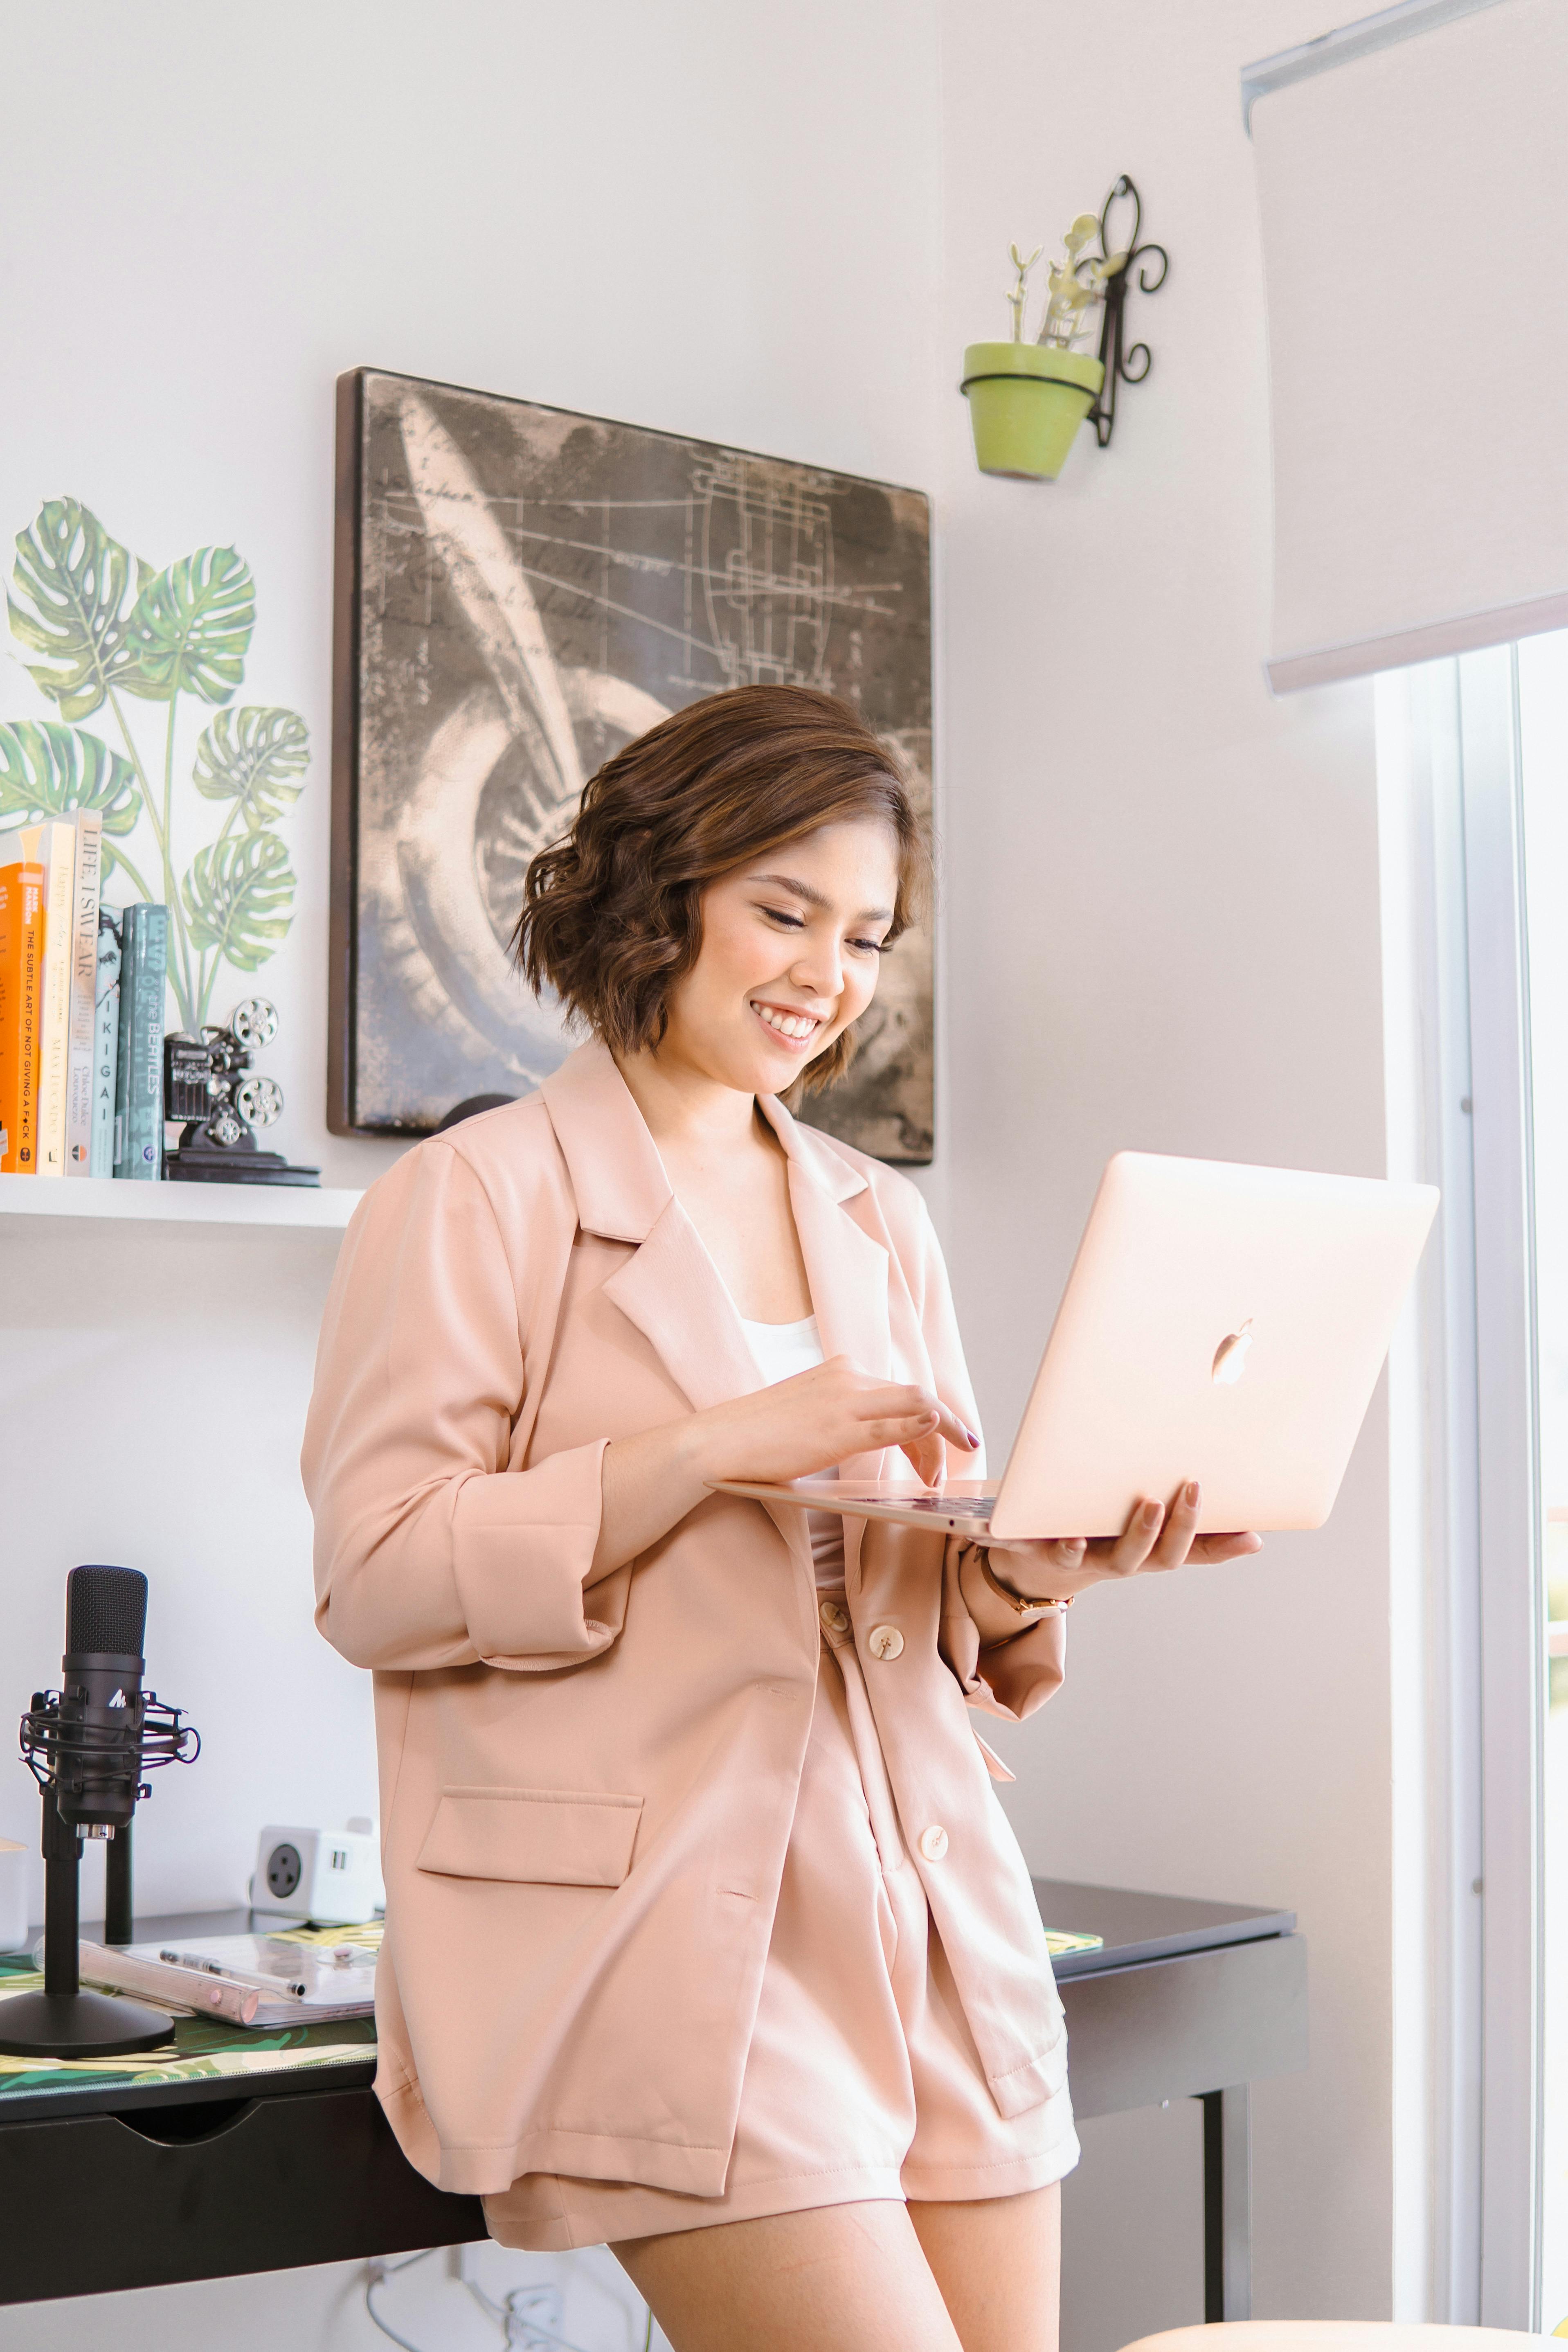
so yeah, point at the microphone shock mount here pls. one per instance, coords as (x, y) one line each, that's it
(89, 1745)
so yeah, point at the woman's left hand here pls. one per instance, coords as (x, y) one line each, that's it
(1156, 1537)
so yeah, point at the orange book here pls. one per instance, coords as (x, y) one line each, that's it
(22, 921)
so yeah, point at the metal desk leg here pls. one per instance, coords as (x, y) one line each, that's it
(1227, 2204)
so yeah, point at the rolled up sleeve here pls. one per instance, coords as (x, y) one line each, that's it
(522, 1545)
(1010, 1677)
(429, 1549)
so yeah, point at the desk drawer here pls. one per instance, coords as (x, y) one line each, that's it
(92, 2203)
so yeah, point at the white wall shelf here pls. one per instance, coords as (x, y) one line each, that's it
(190, 1204)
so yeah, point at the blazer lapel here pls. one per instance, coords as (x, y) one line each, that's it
(846, 1269)
(848, 1272)
(673, 1293)
(670, 1288)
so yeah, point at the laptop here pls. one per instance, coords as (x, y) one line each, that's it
(1220, 1322)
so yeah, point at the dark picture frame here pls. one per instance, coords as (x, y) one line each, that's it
(519, 591)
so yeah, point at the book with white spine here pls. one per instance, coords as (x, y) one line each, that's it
(106, 1048)
(83, 993)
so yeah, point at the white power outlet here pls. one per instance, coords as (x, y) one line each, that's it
(332, 1877)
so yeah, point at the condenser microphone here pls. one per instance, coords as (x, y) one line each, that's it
(87, 1746)
(99, 1770)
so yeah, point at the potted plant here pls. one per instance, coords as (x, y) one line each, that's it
(1028, 400)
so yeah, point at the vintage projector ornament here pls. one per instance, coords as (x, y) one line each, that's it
(208, 1082)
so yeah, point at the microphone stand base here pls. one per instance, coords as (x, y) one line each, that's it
(80, 2025)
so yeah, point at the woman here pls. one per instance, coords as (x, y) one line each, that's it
(707, 1936)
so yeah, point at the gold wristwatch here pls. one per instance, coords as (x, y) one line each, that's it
(1015, 1599)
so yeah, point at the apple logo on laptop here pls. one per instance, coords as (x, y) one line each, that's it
(1231, 1357)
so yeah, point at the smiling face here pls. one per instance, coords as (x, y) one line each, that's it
(791, 948)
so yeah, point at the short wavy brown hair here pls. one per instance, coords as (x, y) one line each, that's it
(612, 913)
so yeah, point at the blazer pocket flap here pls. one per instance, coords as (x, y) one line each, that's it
(551, 1837)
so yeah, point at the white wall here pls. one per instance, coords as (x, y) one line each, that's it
(1162, 932)
(1160, 921)
(678, 216)
(646, 216)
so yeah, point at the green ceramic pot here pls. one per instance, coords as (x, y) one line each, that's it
(1026, 402)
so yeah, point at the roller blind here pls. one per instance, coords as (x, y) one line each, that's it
(1415, 218)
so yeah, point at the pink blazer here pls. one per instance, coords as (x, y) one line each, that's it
(587, 1787)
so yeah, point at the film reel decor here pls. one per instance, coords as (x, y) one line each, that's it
(210, 1085)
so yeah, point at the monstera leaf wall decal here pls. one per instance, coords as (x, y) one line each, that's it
(110, 631)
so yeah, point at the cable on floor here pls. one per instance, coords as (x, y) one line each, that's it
(377, 2275)
(519, 2329)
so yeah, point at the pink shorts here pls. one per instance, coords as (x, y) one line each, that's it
(862, 2080)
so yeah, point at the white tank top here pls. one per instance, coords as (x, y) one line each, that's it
(781, 1350)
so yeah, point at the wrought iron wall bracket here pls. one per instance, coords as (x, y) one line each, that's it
(1123, 362)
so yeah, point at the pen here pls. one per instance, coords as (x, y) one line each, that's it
(235, 1976)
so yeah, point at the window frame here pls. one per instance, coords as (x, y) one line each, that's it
(1467, 1578)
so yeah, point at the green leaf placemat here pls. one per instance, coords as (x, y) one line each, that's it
(201, 2048)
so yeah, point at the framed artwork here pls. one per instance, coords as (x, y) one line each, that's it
(519, 591)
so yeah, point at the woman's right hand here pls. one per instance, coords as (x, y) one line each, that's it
(798, 1426)
(819, 1419)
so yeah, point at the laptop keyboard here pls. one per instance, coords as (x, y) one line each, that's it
(952, 1506)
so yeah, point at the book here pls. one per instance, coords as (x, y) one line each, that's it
(83, 992)
(139, 1077)
(1065, 1939)
(106, 1043)
(22, 922)
(54, 846)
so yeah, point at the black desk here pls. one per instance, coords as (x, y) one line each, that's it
(1185, 2000)
(106, 2186)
